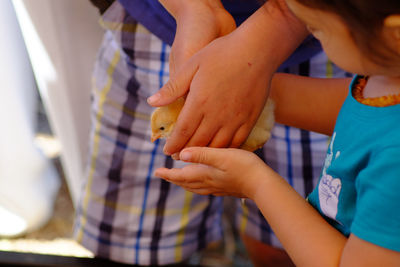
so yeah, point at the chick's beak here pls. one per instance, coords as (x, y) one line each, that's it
(154, 137)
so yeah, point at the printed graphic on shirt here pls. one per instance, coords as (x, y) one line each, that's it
(329, 187)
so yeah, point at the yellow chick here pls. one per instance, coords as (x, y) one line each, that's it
(163, 120)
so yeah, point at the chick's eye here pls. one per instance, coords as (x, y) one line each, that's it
(162, 128)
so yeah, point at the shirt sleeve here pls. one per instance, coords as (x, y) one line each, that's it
(377, 216)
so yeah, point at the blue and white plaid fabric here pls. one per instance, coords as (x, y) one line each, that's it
(126, 214)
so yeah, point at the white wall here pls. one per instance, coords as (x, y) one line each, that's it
(68, 31)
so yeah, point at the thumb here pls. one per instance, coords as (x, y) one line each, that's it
(177, 86)
(203, 155)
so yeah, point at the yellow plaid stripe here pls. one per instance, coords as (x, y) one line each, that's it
(128, 111)
(96, 142)
(184, 222)
(150, 211)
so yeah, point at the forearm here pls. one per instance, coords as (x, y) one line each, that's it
(178, 8)
(305, 235)
(308, 103)
(198, 22)
(270, 35)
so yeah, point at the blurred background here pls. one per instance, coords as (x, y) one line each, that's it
(46, 59)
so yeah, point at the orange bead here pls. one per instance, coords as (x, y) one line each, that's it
(382, 101)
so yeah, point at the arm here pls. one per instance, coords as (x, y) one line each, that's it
(198, 23)
(229, 80)
(306, 236)
(308, 103)
(310, 241)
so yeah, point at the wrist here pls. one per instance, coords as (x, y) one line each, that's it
(178, 8)
(272, 33)
(200, 14)
(266, 180)
(257, 182)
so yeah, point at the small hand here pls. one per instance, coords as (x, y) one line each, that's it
(219, 172)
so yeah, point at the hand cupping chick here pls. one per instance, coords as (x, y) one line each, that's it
(163, 120)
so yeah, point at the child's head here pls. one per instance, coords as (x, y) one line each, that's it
(351, 31)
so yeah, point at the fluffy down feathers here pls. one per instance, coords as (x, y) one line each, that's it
(163, 121)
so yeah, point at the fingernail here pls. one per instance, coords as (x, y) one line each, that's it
(154, 98)
(185, 155)
(175, 156)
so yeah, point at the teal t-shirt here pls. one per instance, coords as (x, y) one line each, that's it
(359, 188)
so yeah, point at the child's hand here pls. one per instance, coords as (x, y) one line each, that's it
(221, 172)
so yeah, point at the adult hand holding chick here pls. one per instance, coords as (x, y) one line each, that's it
(227, 82)
(163, 121)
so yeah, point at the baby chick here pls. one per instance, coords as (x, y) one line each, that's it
(163, 121)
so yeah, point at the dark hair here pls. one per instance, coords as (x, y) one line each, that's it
(365, 20)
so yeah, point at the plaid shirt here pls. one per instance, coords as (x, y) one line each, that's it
(126, 214)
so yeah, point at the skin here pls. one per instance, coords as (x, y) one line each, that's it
(242, 174)
(204, 121)
(198, 23)
(217, 113)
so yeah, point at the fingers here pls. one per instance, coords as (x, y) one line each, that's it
(196, 178)
(203, 135)
(224, 137)
(192, 177)
(177, 86)
(206, 135)
(211, 131)
(177, 176)
(185, 127)
(240, 136)
(204, 155)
